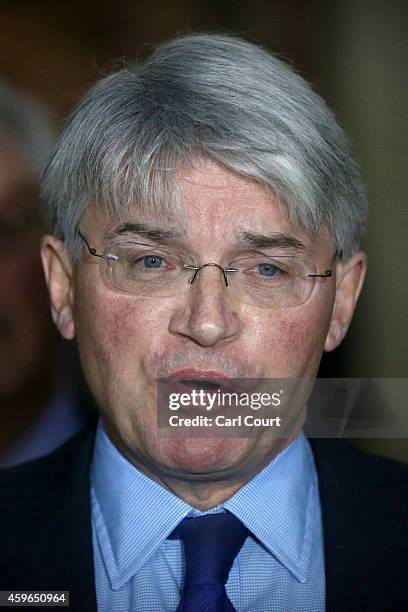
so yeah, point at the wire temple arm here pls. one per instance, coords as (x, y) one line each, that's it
(93, 251)
(326, 274)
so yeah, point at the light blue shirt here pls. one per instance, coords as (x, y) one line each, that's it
(279, 568)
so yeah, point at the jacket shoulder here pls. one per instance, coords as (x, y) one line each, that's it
(47, 473)
(45, 529)
(364, 500)
(366, 474)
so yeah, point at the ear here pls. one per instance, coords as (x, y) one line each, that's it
(349, 282)
(58, 270)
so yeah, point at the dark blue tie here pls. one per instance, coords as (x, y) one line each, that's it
(211, 543)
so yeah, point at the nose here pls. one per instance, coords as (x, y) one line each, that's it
(206, 313)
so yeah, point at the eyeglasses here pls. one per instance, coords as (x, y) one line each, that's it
(137, 268)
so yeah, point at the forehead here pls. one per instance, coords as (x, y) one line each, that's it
(219, 197)
(215, 204)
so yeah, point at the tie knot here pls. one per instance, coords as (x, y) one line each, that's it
(211, 543)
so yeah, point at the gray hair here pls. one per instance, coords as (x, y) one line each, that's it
(27, 124)
(205, 95)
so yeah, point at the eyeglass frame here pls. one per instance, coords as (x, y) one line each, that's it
(196, 269)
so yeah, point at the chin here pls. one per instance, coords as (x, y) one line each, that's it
(203, 456)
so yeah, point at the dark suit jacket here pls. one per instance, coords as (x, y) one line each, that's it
(46, 538)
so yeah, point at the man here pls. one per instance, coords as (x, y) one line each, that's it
(38, 411)
(205, 219)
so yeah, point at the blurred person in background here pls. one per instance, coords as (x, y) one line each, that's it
(37, 413)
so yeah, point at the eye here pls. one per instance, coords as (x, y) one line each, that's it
(267, 269)
(151, 261)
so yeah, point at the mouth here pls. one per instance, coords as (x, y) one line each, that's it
(196, 383)
(208, 380)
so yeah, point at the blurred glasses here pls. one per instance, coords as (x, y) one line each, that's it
(137, 268)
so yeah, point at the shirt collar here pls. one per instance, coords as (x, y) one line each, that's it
(276, 506)
(279, 504)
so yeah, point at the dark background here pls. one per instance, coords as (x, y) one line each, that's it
(355, 54)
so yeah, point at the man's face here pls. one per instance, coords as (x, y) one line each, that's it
(127, 343)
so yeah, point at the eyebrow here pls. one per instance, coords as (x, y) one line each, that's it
(146, 231)
(273, 240)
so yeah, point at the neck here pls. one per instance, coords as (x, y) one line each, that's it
(207, 493)
(202, 491)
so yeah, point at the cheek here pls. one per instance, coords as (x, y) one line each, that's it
(288, 344)
(298, 343)
(115, 334)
